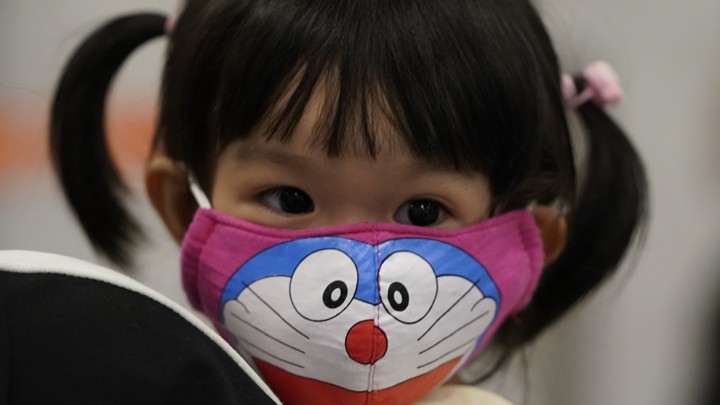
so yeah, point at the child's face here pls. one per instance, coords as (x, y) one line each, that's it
(398, 305)
(295, 185)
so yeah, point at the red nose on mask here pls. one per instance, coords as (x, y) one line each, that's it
(366, 343)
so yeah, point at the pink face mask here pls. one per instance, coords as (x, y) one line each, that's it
(367, 313)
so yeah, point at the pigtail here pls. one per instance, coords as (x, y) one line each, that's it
(78, 146)
(609, 210)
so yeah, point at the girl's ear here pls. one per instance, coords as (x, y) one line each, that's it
(553, 228)
(166, 184)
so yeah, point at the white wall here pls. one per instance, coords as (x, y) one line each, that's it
(642, 340)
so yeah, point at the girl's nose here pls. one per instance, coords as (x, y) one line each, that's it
(355, 213)
(366, 343)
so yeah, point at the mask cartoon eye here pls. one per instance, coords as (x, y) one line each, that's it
(408, 286)
(323, 284)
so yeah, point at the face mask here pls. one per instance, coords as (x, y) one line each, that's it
(364, 313)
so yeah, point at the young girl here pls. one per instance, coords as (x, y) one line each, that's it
(366, 192)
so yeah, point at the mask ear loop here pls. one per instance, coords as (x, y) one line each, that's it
(197, 192)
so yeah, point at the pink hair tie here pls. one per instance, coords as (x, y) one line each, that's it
(170, 24)
(602, 86)
(173, 18)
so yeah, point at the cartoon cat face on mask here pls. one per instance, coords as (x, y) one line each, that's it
(361, 313)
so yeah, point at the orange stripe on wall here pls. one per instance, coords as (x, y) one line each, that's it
(22, 146)
(24, 138)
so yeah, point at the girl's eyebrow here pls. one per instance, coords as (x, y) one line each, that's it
(272, 156)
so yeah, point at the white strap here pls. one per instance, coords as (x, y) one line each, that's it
(197, 192)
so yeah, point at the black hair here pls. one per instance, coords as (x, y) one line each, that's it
(471, 84)
(79, 150)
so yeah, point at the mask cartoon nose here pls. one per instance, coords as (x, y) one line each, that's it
(366, 343)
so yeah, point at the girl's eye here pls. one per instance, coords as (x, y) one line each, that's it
(422, 212)
(288, 200)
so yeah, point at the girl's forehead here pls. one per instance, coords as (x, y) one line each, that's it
(306, 142)
(368, 133)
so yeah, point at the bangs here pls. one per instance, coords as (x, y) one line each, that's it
(460, 82)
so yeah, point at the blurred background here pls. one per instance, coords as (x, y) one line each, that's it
(644, 338)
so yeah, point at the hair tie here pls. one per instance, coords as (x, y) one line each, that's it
(172, 18)
(602, 86)
(170, 24)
